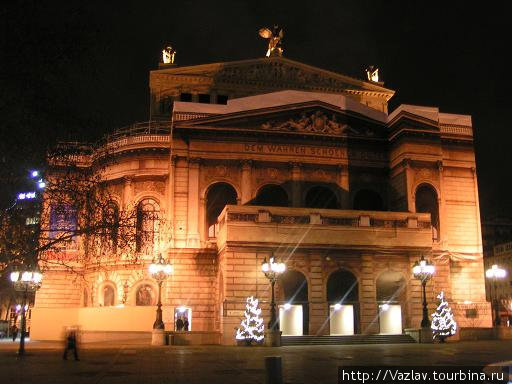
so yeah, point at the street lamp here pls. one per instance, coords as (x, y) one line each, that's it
(495, 273)
(423, 270)
(272, 270)
(25, 280)
(160, 270)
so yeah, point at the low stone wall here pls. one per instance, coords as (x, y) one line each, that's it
(102, 336)
(195, 338)
(466, 334)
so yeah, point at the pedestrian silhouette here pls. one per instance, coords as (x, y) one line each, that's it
(179, 324)
(185, 324)
(71, 344)
(14, 332)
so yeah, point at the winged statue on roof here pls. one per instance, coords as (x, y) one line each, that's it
(274, 36)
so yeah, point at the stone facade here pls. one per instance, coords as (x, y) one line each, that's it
(302, 164)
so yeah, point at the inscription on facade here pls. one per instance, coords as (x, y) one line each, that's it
(304, 150)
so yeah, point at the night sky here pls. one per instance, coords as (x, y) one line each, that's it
(76, 70)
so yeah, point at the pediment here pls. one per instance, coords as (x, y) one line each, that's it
(310, 119)
(280, 73)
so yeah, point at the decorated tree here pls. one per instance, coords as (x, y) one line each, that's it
(252, 325)
(443, 323)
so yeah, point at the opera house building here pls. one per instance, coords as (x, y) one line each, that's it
(271, 158)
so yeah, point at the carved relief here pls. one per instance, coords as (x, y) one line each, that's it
(320, 175)
(317, 122)
(269, 174)
(219, 171)
(427, 175)
(146, 186)
(272, 173)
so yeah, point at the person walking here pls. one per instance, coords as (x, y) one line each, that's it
(179, 324)
(14, 332)
(71, 344)
(185, 324)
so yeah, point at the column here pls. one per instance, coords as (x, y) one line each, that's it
(318, 311)
(246, 181)
(296, 178)
(343, 182)
(368, 310)
(409, 178)
(193, 203)
(170, 199)
(127, 192)
(440, 204)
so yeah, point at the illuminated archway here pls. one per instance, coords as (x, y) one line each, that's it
(218, 196)
(271, 195)
(427, 202)
(368, 200)
(321, 197)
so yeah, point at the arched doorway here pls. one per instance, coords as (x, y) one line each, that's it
(294, 295)
(321, 197)
(271, 195)
(391, 297)
(427, 202)
(218, 196)
(343, 301)
(368, 200)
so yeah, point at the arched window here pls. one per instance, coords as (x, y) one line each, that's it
(368, 200)
(391, 287)
(426, 202)
(219, 195)
(321, 197)
(108, 296)
(271, 195)
(342, 287)
(147, 225)
(145, 295)
(111, 226)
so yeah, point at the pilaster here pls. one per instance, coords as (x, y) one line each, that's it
(368, 296)
(246, 181)
(193, 203)
(295, 170)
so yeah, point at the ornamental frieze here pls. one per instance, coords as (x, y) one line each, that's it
(279, 75)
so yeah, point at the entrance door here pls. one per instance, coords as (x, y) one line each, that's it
(390, 318)
(341, 319)
(290, 320)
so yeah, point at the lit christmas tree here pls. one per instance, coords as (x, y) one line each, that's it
(443, 323)
(252, 326)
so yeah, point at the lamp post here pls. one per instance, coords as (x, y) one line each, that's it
(272, 270)
(423, 270)
(160, 270)
(26, 280)
(495, 273)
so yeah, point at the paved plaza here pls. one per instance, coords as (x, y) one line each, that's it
(138, 363)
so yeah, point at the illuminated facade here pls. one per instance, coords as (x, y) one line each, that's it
(249, 159)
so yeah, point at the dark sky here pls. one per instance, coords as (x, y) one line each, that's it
(74, 70)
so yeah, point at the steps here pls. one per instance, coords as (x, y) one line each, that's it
(346, 340)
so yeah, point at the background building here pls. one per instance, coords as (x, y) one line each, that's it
(246, 160)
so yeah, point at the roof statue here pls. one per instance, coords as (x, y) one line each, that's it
(372, 73)
(168, 54)
(274, 37)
